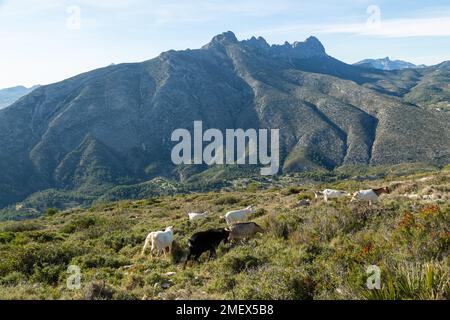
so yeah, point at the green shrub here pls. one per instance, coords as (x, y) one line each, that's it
(102, 261)
(260, 212)
(253, 187)
(45, 236)
(118, 241)
(69, 228)
(41, 262)
(99, 290)
(272, 282)
(85, 222)
(155, 277)
(292, 190)
(305, 196)
(48, 274)
(80, 224)
(133, 281)
(226, 200)
(50, 212)
(12, 279)
(6, 237)
(302, 287)
(281, 226)
(22, 226)
(238, 263)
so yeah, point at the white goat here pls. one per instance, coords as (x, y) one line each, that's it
(412, 196)
(237, 216)
(431, 197)
(370, 195)
(160, 240)
(333, 194)
(197, 216)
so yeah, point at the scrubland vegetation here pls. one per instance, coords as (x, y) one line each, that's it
(320, 251)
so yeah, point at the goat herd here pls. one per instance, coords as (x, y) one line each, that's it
(208, 240)
(237, 230)
(370, 195)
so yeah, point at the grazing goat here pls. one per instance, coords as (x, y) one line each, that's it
(333, 194)
(370, 195)
(243, 231)
(432, 197)
(237, 216)
(204, 241)
(197, 216)
(160, 240)
(412, 196)
(426, 197)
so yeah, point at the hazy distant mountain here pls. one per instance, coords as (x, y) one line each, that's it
(10, 95)
(112, 126)
(387, 64)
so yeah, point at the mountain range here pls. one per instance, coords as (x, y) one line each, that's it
(10, 95)
(387, 64)
(112, 126)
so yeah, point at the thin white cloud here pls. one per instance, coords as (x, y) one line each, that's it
(399, 28)
(394, 28)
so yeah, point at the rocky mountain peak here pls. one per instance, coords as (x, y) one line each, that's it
(259, 42)
(311, 47)
(223, 38)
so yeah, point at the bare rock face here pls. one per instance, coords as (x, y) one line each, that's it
(112, 126)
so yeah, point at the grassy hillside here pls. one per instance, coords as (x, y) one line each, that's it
(316, 252)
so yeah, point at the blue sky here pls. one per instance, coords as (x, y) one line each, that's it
(44, 41)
